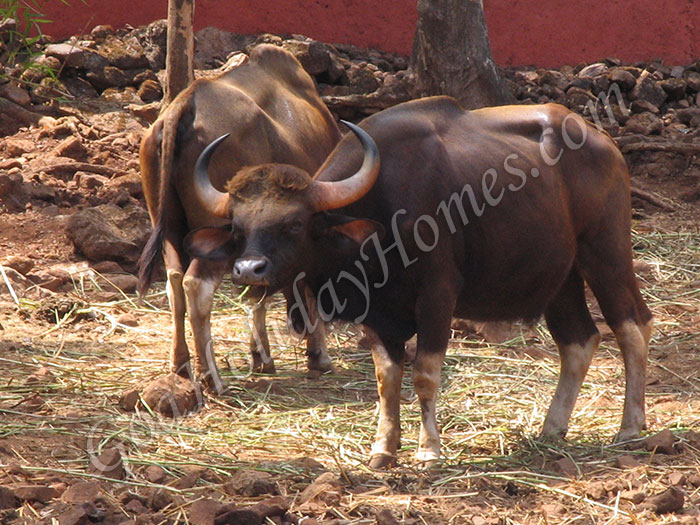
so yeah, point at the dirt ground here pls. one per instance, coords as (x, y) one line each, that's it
(67, 358)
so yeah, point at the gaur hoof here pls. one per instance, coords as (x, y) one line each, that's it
(382, 461)
(321, 364)
(427, 458)
(626, 434)
(213, 385)
(260, 367)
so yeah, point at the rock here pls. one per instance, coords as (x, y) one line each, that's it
(635, 496)
(623, 78)
(7, 498)
(674, 87)
(87, 180)
(213, 46)
(35, 493)
(326, 488)
(583, 83)
(14, 193)
(16, 94)
(76, 56)
(593, 70)
(361, 79)
(152, 39)
(108, 232)
(128, 319)
(42, 376)
(644, 124)
(71, 147)
(105, 267)
(692, 79)
(566, 466)
(21, 286)
(155, 474)
(670, 500)
(553, 509)
(101, 31)
(648, 89)
(640, 106)
(129, 399)
(554, 78)
(314, 56)
(660, 443)
(171, 396)
(120, 282)
(577, 97)
(15, 147)
(130, 181)
(385, 517)
(159, 499)
(8, 164)
(234, 515)
(82, 492)
(147, 112)
(79, 87)
(250, 483)
(687, 115)
(677, 71)
(108, 464)
(19, 263)
(272, 507)
(676, 478)
(135, 507)
(150, 91)
(124, 52)
(627, 461)
(596, 490)
(203, 511)
(76, 515)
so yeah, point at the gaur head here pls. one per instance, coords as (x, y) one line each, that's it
(280, 217)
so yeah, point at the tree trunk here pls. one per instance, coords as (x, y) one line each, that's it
(452, 54)
(179, 60)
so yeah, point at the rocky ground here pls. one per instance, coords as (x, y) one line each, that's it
(74, 338)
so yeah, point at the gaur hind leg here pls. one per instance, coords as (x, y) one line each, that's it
(200, 282)
(606, 265)
(179, 354)
(577, 338)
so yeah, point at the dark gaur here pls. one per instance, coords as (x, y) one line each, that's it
(495, 214)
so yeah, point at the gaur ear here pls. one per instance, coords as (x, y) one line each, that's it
(210, 243)
(353, 228)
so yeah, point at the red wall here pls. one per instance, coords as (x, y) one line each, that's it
(544, 33)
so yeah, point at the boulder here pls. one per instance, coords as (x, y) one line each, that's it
(646, 88)
(171, 396)
(108, 464)
(644, 124)
(108, 232)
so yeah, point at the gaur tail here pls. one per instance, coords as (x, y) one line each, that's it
(150, 258)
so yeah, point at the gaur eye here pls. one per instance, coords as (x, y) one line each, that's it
(294, 227)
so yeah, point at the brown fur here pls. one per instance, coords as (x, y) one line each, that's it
(272, 181)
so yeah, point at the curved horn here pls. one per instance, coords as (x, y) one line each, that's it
(213, 200)
(332, 195)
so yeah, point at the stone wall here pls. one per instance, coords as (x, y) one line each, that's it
(546, 33)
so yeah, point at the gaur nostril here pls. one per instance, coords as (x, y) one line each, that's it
(259, 267)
